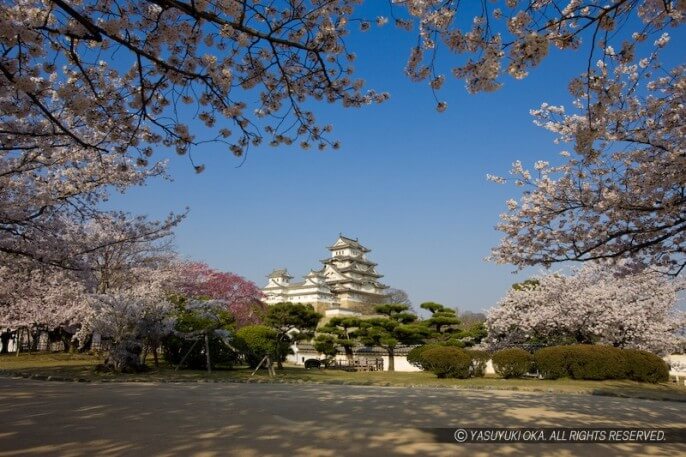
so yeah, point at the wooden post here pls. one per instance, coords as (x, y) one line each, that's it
(207, 353)
(267, 361)
(270, 367)
(18, 348)
(259, 365)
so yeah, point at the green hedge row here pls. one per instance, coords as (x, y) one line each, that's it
(580, 361)
(586, 361)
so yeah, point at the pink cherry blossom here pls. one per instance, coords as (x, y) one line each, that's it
(592, 305)
(243, 298)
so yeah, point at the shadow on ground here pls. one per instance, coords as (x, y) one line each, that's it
(201, 419)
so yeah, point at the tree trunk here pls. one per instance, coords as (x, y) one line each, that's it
(391, 359)
(279, 364)
(33, 340)
(18, 348)
(349, 353)
(66, 340)
(207, 353)
(144, 354)
(5, 339)
(87, 344)
(154, 356)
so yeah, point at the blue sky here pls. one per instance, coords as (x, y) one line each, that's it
(408, 181)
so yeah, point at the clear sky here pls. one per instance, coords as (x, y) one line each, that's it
(409, 182)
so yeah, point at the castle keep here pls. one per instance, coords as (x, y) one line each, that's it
(347, 282)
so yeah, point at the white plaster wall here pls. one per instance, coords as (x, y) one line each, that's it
(340, 312)
(489, 367)
(401, 364)
(678, 366)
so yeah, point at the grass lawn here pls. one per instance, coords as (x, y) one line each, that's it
(62, 366)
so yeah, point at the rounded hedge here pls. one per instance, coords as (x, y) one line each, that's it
(447, 362)
(553, 362)
(479, 361)
(255, 342)
(581, 361)
(598, 362)
(644, 366)
(512, 363)
(414, 356)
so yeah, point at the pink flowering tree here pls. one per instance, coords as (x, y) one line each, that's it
(619, 195)
(242, 297)
(35, 298)
(169, 53)
(592, 305)
(120, 253)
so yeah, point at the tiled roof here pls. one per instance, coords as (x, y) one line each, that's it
(279, 273)
(348, 257)
(353, 243)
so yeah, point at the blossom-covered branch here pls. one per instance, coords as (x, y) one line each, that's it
(108, 75)
(621, 194)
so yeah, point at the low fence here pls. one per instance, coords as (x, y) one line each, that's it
(364, 364)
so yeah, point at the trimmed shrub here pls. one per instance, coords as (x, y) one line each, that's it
(581, 361)
(596, 362)
(414, 357)
(512, 363)
(553, 362)
(644, 366)
(255, 342)
(447, 362)
(479, 361)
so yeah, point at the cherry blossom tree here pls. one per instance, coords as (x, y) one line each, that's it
(242, 297)
(36, 298)
(621, 195)
(45, 205)
(123, 251)
(513, 36)
(592, 305)
(132, 319)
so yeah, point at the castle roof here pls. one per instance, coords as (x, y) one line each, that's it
(341, 288)
(315, 274)
(344, 242)
(349, 257)
(280, 273)
(362, 272)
